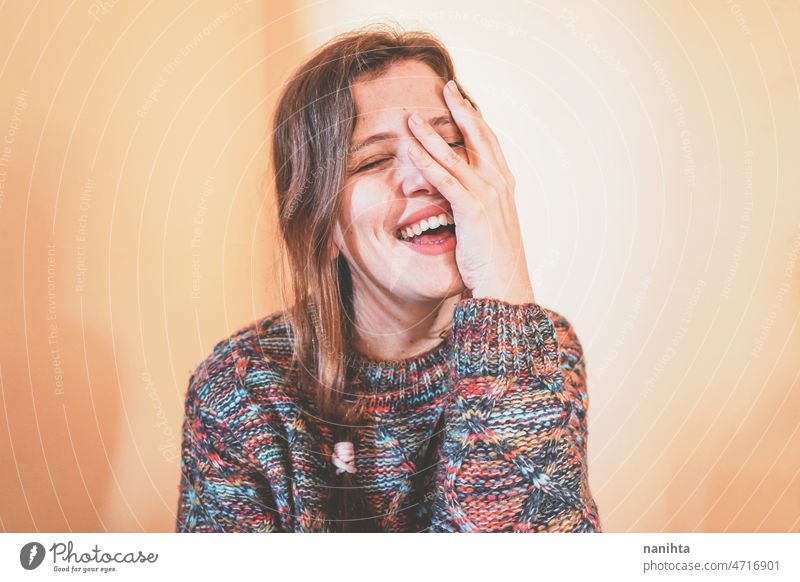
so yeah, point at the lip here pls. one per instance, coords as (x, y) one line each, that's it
(425, 212)
(447, 246)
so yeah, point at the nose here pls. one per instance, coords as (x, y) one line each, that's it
(412, 179)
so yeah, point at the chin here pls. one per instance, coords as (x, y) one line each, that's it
(439, 289)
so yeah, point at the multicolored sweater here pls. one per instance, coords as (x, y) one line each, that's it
(487, 432)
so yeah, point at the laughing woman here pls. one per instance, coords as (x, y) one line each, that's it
(414, 384)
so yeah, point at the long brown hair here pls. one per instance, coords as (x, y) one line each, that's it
(312, 127)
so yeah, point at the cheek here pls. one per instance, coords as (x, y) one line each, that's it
(368, 206)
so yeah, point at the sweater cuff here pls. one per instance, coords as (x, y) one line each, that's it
(495, 338)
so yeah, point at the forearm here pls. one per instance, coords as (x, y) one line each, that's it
(510, 457)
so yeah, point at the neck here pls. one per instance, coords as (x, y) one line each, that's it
(387, 328)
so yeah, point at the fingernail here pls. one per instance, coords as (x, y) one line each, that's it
(416, 119)
(451, 86)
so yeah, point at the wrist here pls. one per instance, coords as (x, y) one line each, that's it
(509, 282)
(516, 294)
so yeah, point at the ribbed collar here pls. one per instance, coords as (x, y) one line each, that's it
(380, 384)
(399, 383)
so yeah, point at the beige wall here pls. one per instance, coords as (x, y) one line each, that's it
(655, 148)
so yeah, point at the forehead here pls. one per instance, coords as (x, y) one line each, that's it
(404, 87)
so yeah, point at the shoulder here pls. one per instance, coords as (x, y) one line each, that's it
(254, 359)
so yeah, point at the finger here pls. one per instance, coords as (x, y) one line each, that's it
(493, 140)
(484, 134)
(447, 185)
(480, 151)
(445, 155)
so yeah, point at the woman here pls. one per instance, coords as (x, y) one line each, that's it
(414, 384)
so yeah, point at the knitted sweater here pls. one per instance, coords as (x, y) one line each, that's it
(487, 432)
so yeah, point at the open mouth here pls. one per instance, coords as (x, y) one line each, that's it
(432, 230)
(431, 236)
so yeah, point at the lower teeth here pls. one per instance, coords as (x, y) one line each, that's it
(418, 240)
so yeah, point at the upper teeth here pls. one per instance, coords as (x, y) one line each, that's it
(429, 223)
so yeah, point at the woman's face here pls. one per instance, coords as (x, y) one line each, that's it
(385, 193)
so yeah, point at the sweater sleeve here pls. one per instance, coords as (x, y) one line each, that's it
(513, 451)
(219, 491)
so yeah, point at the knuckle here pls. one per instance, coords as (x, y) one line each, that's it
(451, 159)
(448, 181)
(485, 131)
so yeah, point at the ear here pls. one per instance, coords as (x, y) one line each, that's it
(335, 249)
(333, 252)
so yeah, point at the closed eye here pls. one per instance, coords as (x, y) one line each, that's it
(365, 167)
(371, 165)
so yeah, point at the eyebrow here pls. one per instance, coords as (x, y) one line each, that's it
(384, 135)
